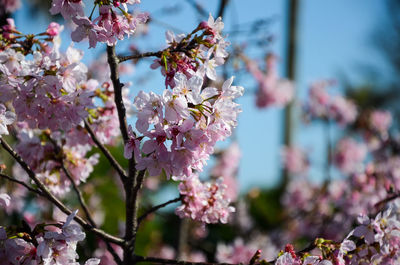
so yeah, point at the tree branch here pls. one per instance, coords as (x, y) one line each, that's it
(157, 207)
(113, 62)
(139, 56)
(46, 193)
(114, 163)
(222, 6)
(78, 194)
(173, 261)
(158, 54)
(113, 253)
(38, 192)
(131, 182)
(387, 199)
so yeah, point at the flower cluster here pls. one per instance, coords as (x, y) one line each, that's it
(180, 127)
(47, 159)
(272, 90)
(114, 22)
(380, 121)
(323, 105)
(9, 6)
(41, 246)
(349, 155)
(51, 96)
(242, 252)
(227, 167)
(295, 160)
(46, 90)
(194, 53)
(373, 241)
(204, 202)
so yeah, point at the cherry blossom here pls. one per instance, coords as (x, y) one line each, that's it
(272, 90)
(204, 202)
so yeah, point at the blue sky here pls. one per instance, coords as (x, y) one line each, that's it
(334, 38)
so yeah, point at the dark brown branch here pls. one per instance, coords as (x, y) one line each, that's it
(173, 261)
(387, 199)
(139, 56)
(158, 54)
(157, 207)
(38, 192)
(113, 62)
(110, 249)
(78, 192)
(131, 181)
(114, 163)
(222, 7)
(49, 196)
(79, 195)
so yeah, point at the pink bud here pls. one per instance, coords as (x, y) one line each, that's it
(203, 25)
(53, 29)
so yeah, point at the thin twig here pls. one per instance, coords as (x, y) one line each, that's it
(46, 193)
(387, 199)
(60, 150)
(139, 56)
(110, 249)
(173, 261)
(78, 194)
(114, 163)
(157, 207)
(21, 183)
(158, 54)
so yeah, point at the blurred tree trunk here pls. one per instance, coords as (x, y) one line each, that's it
(293, 10)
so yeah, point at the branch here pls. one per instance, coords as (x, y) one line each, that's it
(222, 6)
(38, 192)
(387, 199)
(113, 253)
(46, 193)
(157, 207)
(173, 261)
(114, 163)
(158, 54)
(79, 195)
(139, 56)
(113, 62)
(130, 183)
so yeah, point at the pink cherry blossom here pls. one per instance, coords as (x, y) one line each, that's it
(381, 121)
(54, 29)
(204, 202)
(295, 160)
(349, 155)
